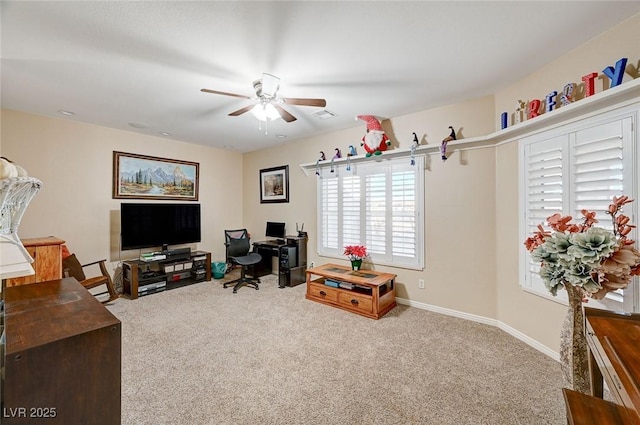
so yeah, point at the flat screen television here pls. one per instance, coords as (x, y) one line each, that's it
(155, 225)
(275, 230)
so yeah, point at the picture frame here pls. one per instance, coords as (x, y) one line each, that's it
(274, 184)
(148, 177)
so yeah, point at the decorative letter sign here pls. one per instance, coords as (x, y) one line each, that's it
(567, 94)
(589, 87)
(551, 101)
(531, 109)
(534, 108)
(503, 120)
(520, 112)
(616, 74)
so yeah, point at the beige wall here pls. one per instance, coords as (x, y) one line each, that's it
(74, 162)
(605, 50)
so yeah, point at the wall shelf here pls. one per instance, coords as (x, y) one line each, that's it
(615, 97)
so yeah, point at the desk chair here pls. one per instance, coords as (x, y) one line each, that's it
(238, 246)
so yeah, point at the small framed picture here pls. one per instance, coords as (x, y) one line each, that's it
(274, 184)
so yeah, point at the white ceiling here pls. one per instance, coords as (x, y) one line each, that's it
(113, 63)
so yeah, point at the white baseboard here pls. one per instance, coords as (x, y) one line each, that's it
(487, 321)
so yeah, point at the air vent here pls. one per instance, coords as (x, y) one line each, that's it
(324, 114)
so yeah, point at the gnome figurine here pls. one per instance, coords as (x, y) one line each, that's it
(375, 140)
(443, 144)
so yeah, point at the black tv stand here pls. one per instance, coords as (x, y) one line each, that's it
(179, 269)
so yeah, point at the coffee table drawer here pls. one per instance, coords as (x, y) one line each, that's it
(323, 292)
(355, 301)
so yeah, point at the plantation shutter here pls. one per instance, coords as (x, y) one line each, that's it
(580, 169)
(376, 213)
(378, 206)
(351, 211)
(329, 212)
(598, 169)
(545, 179)
(403, 222)
(602, 169)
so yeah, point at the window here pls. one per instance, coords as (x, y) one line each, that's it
(378, 204)
(574, 168)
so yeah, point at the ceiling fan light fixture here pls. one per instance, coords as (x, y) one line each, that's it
(270, 85)
(265, 111)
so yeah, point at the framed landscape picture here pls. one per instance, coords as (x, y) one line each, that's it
(274, 184)
(148, 177)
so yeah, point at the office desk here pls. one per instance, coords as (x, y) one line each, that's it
(267, 250)
(291, 258)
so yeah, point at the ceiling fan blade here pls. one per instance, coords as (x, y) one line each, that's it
(305, 102)
(241, 111)
(284, 114)
(224, 93)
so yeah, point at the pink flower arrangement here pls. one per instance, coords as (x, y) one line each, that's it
(591, 258)
(355, 252)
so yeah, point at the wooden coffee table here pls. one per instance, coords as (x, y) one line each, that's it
(365, 292)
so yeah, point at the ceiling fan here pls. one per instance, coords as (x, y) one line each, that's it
(268, 104)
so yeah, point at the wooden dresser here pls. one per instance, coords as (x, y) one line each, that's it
(614, 357)
(47, 260)
(62, 356)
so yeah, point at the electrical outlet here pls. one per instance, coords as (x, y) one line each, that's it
(312, 265)
(421, 283)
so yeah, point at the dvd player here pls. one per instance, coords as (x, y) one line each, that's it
(151, 288)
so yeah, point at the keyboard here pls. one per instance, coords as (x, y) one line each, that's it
(272, 242)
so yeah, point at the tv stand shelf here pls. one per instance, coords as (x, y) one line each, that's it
(148, 277)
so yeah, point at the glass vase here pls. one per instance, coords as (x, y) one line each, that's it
(573, 344)
(356, 264)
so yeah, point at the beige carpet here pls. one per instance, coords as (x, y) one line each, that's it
(202, 355)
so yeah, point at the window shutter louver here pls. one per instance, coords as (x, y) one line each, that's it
(544, 192)
(403, 201)
(376, 213)
(329, 208)
(351, 211)
(598, 170)
(545, 181)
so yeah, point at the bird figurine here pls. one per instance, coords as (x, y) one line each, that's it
(414, 145)
(443, 145)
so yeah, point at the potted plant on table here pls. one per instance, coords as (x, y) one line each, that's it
(356, 254)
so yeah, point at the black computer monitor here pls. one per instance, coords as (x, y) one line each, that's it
(274, 230)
